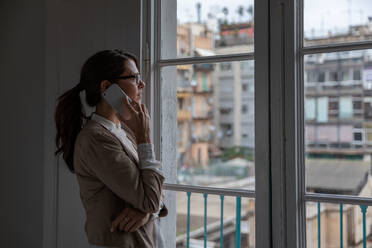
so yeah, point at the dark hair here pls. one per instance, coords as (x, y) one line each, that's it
(69, 115)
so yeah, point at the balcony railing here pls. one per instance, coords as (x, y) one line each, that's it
(205, 191)
(363, 203)
(341, 200)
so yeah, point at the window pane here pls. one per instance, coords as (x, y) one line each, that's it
(338, 122)
(207, 28)
(337, 21)
(215, 119)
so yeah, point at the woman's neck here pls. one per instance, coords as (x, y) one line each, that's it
(105, 110)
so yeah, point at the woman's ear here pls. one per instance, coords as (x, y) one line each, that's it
(104, 85)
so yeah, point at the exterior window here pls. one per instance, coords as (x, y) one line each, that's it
(322, 109)
(225, 66)
(357, 75)
(321, 77)
(244, 109)
(310, 109)
(346, 107)
(357, 105)
(205, 83)
(358, 136)
(333, 76)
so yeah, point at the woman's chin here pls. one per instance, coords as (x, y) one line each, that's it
(138, 99)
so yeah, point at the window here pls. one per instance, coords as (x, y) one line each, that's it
(358, 136)
(346, 107)
(321, 77)
(292, 181)
(357, 75)
(225, 66)
(310, 109)
(334, 76)
(322, 109)
(335, 147)
(205, 84)
(312, 76)
(244, 109)
(217, 50)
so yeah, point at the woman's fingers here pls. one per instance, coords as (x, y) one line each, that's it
(143, 221)
(124, 223)
(129, 106)
(145, 110)
(136, 226)
(137, 106)
(131, 224)
(117, 221)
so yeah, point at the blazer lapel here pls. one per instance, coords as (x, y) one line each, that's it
(130, 134)
(125, 148)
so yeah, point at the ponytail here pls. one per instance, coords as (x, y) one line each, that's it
(69, 117)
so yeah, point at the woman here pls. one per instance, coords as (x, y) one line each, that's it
(119, 179)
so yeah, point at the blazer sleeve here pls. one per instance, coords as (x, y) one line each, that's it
(142, 188)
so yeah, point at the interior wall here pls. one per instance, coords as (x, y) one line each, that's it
(43, 45)
(21, 126)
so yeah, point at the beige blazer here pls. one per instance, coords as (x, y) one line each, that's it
(110, 180)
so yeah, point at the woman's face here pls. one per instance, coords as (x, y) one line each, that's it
(129, 85)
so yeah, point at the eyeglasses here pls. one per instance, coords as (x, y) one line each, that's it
(136, 76)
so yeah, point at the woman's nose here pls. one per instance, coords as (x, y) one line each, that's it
(141, 84)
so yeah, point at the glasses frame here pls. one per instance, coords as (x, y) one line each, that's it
(136, 76)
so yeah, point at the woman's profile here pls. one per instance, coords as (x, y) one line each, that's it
(120, 181)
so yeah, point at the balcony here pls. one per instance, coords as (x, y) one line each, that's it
(207, 91)
(183, 115)
(207, 116)
(184, 94)
(333, 87)
(204, 67)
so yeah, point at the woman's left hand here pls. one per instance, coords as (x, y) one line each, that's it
(130, 220)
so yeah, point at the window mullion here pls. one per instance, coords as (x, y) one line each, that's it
(287, 191)
(262, 130)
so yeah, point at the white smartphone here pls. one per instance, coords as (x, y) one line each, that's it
(114, 96)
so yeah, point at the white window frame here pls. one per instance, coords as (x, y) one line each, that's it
(280, 194)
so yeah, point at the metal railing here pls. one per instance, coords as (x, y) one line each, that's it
(363, 203)
(237, 193)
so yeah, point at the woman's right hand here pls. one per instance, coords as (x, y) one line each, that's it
(139, 121)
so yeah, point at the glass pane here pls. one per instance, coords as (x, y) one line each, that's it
(338, 122)
(215, 118)
(247, 228)
(337, 21)
(207, 28)
(327, 227)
